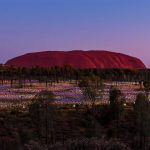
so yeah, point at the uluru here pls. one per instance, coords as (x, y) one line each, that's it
(77, 59)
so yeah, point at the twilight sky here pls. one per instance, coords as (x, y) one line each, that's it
(36, 25)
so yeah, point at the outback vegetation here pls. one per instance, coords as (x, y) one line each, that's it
(63, 108)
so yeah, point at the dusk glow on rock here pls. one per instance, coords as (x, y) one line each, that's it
(77, 59)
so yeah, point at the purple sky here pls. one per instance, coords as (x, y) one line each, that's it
(37, 25)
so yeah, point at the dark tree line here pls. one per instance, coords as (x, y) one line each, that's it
(55, 74)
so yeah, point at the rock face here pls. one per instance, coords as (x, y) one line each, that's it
(77, 59)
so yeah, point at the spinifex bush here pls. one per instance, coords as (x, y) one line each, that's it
(83, 144)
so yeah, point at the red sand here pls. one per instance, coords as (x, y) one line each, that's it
(77, 59)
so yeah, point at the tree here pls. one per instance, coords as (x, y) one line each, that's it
(146, 88)
(116, 107)
(41, 113)
(91, 87)
(142, 113)
(116, 97)
(88, 92)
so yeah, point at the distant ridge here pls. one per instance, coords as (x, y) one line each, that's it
(77, 59)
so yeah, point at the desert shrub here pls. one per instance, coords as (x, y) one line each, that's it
(82, 144)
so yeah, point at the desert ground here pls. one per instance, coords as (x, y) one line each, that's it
(26, 127)
(65, 93)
